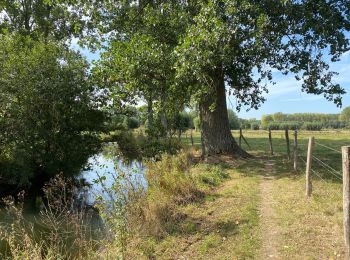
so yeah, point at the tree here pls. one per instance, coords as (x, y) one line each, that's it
(279, 117)
(231, 43)
(265, 120)
(55, 19)
(345, 115)
(131, 122)
(140, 64)
(229, 40)
(182, 122)
(197, 123)
(233, 120)
(49, 116)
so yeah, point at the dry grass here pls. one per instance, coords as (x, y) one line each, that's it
(206, 211)
(312, 228)
(223, 226)
(60, 232)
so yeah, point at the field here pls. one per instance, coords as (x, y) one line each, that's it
(262, 212)
(224, 208)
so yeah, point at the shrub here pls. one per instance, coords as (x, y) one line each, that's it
(290, 125)
(133, 123)
(50, 114)
(312, 126)
(274, 126)
(65, 233)
(154, 148)
(254, 126)
(197, 123)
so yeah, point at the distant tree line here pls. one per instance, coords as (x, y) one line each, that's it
(306, 121)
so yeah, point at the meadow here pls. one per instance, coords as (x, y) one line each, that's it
(219, 208)
(297, 227)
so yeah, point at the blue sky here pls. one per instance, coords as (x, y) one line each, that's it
(286, 96)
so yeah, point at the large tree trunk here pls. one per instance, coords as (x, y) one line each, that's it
(215, 130)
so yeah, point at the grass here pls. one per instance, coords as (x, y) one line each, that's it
(197, 210)
(224, 225)
(310, 228)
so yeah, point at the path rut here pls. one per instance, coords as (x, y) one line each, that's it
(269, 228)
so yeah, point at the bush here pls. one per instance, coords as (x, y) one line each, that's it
(154, 148)
(312, 126)
(174, 181)
(290, 125)
(254, 126)
(50, 114)
(197, 123)
(133, 123)
(274, 126)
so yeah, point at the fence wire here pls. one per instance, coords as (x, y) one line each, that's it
(329, 169)
(329, 148)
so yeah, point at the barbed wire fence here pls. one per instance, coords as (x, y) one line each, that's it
(324, 166)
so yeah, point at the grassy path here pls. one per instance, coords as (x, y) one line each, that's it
(269, 228)
(224, 226)
(261, 212)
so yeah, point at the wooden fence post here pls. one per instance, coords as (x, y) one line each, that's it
(295, 150)
(346, 198)
(240, 137)
(270, 142)
(287, 141)
(308, 166)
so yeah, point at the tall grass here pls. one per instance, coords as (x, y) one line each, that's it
(132, 221)
(61, 231)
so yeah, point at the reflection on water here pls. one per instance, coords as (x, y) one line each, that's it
(107, 169)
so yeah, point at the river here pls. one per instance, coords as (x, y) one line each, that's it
(97, 178)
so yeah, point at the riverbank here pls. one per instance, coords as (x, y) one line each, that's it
(219, 209)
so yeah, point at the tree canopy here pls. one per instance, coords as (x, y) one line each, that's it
(49, 113)
(345, 115)
(191, 50)
(55, 19)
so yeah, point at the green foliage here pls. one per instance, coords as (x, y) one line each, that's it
(251, 124)
(274, 126)
(154, 148)
(265, 120)
(172, 53)
(290, 125)
(284, 125)
(233, 120)
(254, 126)
(280, 121)
(54, 19)
(130, 123)
(312, 126)
(48, 121)
(197, 123)
(224, 34)
(345, 116)
(210, 175)
(181, 122)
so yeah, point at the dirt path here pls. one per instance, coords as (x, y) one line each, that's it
(270, 230)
